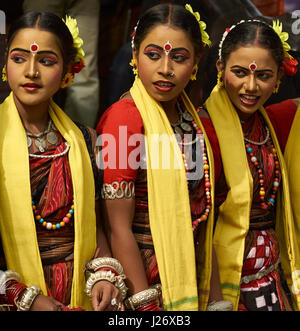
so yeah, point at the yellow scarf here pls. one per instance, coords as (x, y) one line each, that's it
(291, 155)
(17, 224)
(169, 210)
(234, 215)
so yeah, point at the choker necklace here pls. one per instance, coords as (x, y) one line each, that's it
(40, 141)
(182, 125)
(259, 143)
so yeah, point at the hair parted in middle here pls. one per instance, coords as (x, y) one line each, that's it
(168, 14)
(252, 32)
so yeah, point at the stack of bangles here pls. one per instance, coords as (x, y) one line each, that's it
(106, 268)
(17, 296)
(147, 300)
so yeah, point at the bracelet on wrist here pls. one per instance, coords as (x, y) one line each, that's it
(11, 286)
(152, 306)
(108, 269)
(27, 297)
(103, 262)
(223, 305)
(141, 299)
(14, 291)
(105, 268)
(117, 281)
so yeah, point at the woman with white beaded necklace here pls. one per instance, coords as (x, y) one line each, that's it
(48, 224)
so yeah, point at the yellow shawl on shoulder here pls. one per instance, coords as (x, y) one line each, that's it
(169, 209)
(234, 215)
(17, 224)
(291, 155)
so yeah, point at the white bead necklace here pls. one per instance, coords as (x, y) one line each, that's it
(52, 155)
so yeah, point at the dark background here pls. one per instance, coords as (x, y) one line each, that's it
(118, 18)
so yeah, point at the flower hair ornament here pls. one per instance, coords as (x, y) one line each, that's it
(289, 63)
(78, 62)
(202, 25)
(4, 74)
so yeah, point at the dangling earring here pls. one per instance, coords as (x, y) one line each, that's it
(220, 79)
(67, 80)
(4, 74)
(276, 88)
(194, 72)
(133, 63)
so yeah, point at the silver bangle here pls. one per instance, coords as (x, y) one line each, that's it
(120, 285)
(223, 305)
(6, 276)
(27, 298)
(141, 298)
(97, 276)
(102, 262)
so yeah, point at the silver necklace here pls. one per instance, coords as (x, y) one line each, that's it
(259, 143)
(40, 141)
(52, 155)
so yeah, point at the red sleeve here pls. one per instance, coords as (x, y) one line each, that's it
(121, 135)
(282, 115)
(212, 137)
(221, 188)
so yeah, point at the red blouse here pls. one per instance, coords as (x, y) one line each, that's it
(122, 120)
(282, 115)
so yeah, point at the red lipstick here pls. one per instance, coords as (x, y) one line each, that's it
(31, 87)
(163, 86)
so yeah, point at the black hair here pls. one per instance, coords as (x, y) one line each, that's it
(253, 33)
(173, 15)
(48, 22)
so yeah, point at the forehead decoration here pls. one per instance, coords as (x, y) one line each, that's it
(252, 66)
(34, 47)
(167, 47)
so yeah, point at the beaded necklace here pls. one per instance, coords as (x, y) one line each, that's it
(265, 203)
(66, 219)
(51, 226)
(187, 126)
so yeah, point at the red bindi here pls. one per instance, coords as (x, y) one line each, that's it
(167, 47)
(34, 47)
(253, 66)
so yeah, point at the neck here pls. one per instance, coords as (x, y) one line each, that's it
(34, 118)
(171, 110)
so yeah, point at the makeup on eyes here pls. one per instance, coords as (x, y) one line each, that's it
(17, 54)
(48, 59)
(21, 50)
(262, 74)
(45, 57)
(181, 51)
(247, 69)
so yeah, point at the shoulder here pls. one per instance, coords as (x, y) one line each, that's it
(286, 108)
(123, 112)
(282, 116)
(212, 138)
(209, 128)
